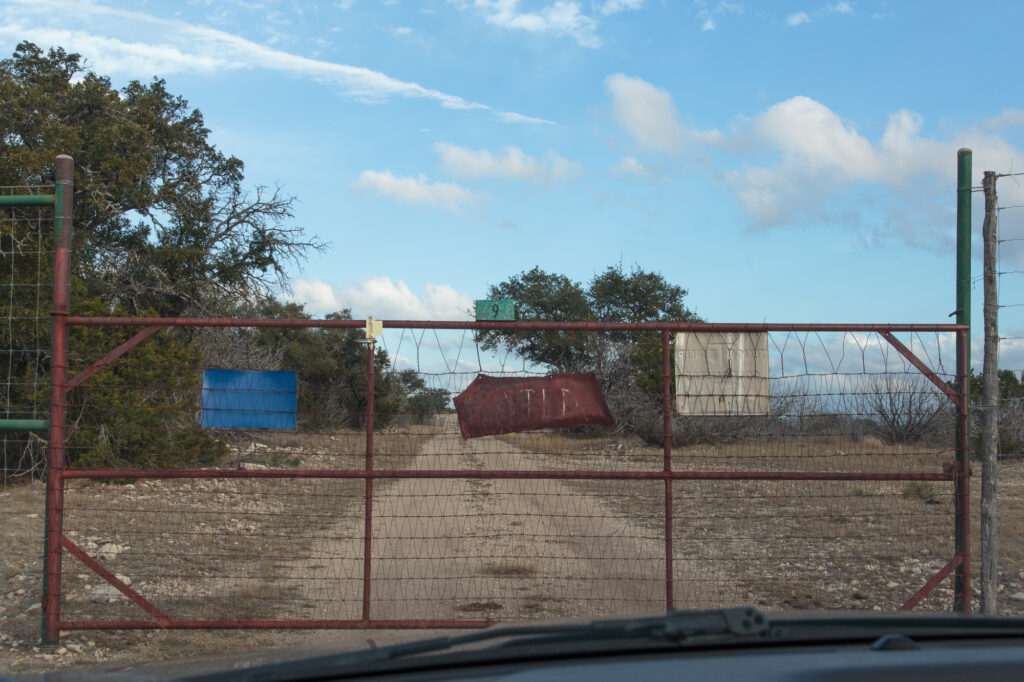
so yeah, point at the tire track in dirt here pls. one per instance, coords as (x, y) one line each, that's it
(489, 548)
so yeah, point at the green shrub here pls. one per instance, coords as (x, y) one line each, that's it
(141, 410)
(923, 490)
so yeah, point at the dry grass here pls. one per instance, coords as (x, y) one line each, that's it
(201, 548)
(336, 450)
(812, 453)
(231, 549)
(557, 443)
(479, 607)
(509, 570)
(779, 544)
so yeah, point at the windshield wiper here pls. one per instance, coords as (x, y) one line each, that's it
(705, 627)
(715, 625)
(683, 629)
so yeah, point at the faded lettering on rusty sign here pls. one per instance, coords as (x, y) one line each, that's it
(494, 405)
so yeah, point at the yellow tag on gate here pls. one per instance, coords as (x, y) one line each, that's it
(374, 328)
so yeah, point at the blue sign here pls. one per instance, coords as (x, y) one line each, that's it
(243, 399)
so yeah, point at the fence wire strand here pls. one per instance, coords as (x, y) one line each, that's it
(26, 261)
(544, 523)
(794, 470)
(1010, 485)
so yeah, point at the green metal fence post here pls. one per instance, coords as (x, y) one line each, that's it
(58, 368)
(962, 576)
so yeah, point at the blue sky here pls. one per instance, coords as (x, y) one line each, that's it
(783, 161)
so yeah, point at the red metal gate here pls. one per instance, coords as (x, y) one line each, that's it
(845, 485)
(780, 509)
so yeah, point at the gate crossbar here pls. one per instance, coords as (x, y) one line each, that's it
(956, 473)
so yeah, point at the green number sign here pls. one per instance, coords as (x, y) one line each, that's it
(502, 309)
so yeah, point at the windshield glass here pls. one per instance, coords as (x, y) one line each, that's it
(334, 325)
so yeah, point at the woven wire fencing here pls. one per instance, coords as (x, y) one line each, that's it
(1010, 485)
(26, 275)
(831, 489)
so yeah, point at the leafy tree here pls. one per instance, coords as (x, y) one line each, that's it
(349, 378)
(139, 411)
(1011, 411)
(416, 398)
(331, 368)
(628, 363)
(162, 220)
(636, 296)
(639, 296)
(24, 334)
(1011, 386)
(427, 402)
(163, 226)
(545, 296)
(615, 295)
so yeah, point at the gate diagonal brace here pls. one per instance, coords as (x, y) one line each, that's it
(927, 588)
(916, 362)
(95, 367)
(118, 584)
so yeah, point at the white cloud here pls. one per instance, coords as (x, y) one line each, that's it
(1009, 118)
(511, 117)
(399, 31)
(615, 6)
(178, 46)
(649, 115)
(818, 157)
(645, 112)
(802, 127)
(383, 298)
(628, 165)
(318, 297)
(111, 55)
(819, 154)
(560, 18)
(511, 163)
(1011, 350)
(798, 18)
(413, 190)
(708, 12)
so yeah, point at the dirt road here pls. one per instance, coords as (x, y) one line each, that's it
(479, 548)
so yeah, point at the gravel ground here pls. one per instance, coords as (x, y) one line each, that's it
(493, 549)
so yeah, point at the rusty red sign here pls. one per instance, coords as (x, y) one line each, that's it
(491, 405)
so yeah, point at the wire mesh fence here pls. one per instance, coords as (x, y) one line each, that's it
(26, 258)
(1009, 234)
(296, 473)
(828, 483)
(26, 276)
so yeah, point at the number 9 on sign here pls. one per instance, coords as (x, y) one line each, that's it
(501, 309)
